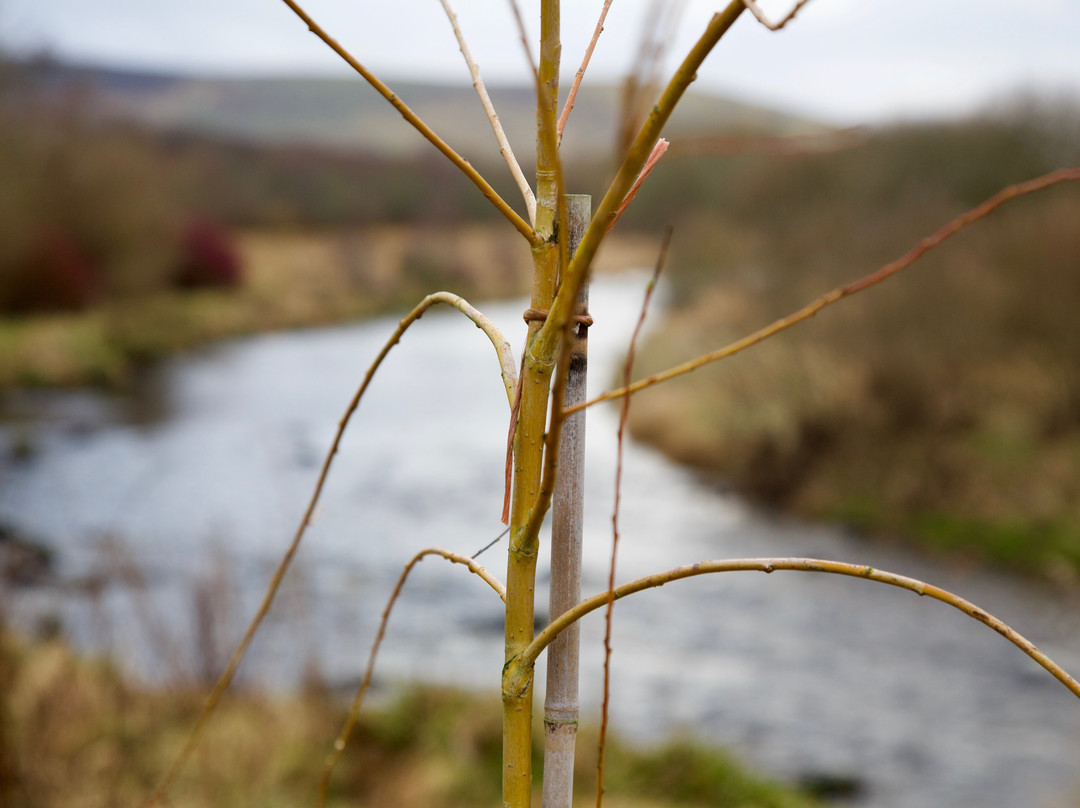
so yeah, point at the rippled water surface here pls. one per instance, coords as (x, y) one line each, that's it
(807, 676)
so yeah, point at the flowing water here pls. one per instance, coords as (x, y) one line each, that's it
(900, 700)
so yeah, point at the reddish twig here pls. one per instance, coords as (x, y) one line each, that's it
(623, 416)
(654, 158)
(874, 278)
(572, 95)
(773, 26)
(515, 408)
(524, 34)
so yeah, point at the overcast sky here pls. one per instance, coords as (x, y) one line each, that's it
(846, 61)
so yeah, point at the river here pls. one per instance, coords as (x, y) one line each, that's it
(204, 476)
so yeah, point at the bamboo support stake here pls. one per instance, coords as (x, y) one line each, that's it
(561, 704)
(489, 108)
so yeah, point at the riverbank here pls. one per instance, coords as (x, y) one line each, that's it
(293, 279)
(817, 678)
(942, 407)
(74, 732)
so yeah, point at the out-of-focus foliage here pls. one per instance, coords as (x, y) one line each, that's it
(88, 211)
(75, 733)
(945, 403)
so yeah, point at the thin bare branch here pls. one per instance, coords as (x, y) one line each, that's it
(768, 565)
(654, 157)
(506, 363)
(524, 35)
(773, 26)
(496, 127)
(466, 168)
(508, 469)
(365, 683)
(572, 96)
(624, 414)
(874, 278)
(658, 30)
(632, 164)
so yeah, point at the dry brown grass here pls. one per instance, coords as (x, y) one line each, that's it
(75, 734)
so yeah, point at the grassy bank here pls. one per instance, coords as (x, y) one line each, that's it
(74, 733)
(943, 406)
(293, 279)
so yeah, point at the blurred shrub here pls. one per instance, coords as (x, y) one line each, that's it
(55, 274)
(89, 210)
(208, 257)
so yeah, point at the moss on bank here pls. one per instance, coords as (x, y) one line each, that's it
(74, 733)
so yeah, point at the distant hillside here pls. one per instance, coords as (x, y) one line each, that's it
(346, 113)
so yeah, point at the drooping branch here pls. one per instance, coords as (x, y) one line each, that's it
(572, 95)
(506, 364)
(489, 108)
(874, 278)
(773, 26)
(466, 168)
(769, 565)
(365, 683)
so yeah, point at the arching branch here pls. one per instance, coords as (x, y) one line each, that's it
(509, 375)
(365, 683)
(767, 565)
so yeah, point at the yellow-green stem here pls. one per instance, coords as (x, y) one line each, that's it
(535, 382)
(635, 159)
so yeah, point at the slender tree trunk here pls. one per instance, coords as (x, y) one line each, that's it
(537, 369)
